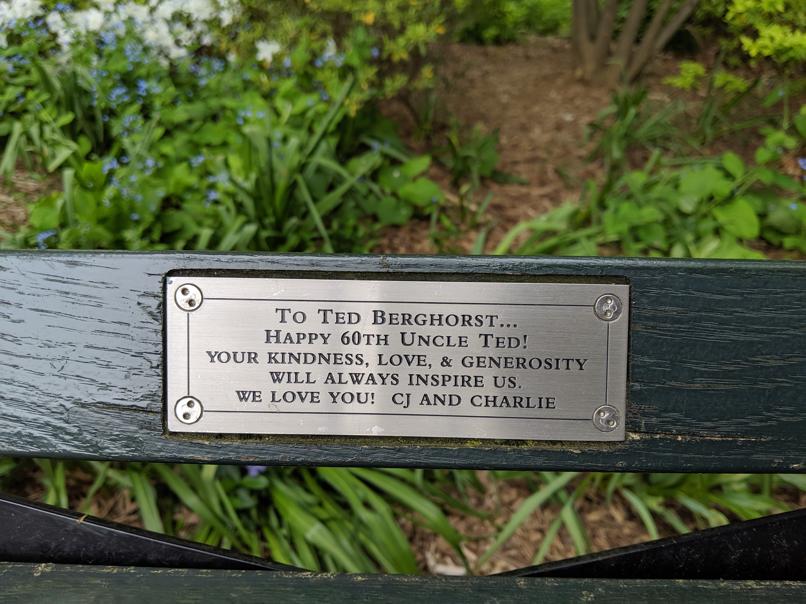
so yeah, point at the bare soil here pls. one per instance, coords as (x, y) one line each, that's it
(21, 188)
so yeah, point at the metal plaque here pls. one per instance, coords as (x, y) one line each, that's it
(328, 357)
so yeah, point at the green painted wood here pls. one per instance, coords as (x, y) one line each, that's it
(86, 584)
(717, 363)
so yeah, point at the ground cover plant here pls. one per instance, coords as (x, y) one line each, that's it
(225, 125)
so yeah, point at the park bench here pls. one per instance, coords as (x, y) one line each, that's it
(715, 362)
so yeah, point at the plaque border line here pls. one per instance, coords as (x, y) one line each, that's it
(361, 413)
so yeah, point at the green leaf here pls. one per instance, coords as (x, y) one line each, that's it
(416, 166)
(733, 164)
(529, 505)
(391, 210)
(703, 182)
(391, 178)
(738, 218)
(641, 509)
(45, 213)
(412, 499)
(421, 192)
(146, 498)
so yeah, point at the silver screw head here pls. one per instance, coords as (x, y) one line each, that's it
(188, 410)
(606, 418)
(188, 297)
(608, 307)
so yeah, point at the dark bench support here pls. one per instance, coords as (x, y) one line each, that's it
(43, 533)
(24, 583)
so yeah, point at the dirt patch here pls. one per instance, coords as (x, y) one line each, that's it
(17, 192)
(607, 524)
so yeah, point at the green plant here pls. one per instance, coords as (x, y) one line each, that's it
(327, 519)
(471, 157)
(501, 22)
(723, 92)
(630, 123)
(201, 154)
(761, 29)
(706, 208)
(385, 44)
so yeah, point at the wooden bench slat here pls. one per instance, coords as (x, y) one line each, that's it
(82, 584)
(717, 363)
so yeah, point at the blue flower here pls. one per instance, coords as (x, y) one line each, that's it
(62, 7)
(212, 195)
(220, 177)
(287, 62)
(318, 62)
(134, 216)
(255, 470)
(196, 160)
(374, 52)
(793, 206)
(324, 96)
(118, 93)
(132, 52)
(802, 163)
(109, 165)
(41, 238)
(108, 38)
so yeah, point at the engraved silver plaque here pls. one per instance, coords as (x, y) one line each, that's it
(329, 357)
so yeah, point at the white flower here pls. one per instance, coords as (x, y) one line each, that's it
(57, 26)
(19, 10)
(266, 49)
(90, 20)
(136, 12)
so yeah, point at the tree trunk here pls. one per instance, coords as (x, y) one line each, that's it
(600, 57)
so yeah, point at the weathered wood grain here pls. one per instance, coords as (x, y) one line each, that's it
(85, 584)
(717, 363)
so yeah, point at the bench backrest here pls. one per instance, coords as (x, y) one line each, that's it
(717, 363)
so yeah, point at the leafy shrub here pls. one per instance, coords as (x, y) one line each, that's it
(199, 152)
(502, 21)
(763, 29)
(705, 208)
(384, 43)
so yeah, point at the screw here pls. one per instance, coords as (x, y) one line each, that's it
(606, 418)
(607, 307)
(188, 410)
(188, 297)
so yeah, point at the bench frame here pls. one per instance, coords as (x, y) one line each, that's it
(717, 375)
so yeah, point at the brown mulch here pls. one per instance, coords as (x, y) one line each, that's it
(608, 525)
(23, 187)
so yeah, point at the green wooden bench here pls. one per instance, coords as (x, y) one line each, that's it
(716, 383)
